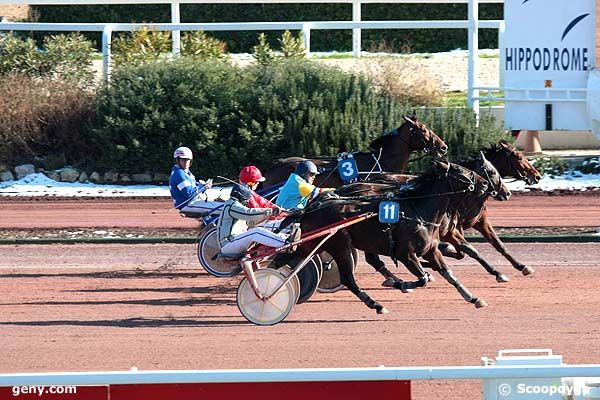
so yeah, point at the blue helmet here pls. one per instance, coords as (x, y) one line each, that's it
(305, 167)
(241, 193)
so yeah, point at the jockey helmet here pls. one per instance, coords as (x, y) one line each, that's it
(183, 152)
(305, 167)
(251, 174)
(241, 193)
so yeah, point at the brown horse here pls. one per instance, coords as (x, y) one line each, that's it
(424, 204)
(509, 162)
(389, 152)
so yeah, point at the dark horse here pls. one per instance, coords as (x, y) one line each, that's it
(424, 204)
(507, 161)
(389, 152)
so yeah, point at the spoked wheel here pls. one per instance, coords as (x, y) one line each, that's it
(273, 310)
(208, 247)
(286, 270)
(330, 282)
(309, 278)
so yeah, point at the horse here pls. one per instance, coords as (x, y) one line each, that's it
(424, 204)
(506, 161)
(510, 162)
(389, 152)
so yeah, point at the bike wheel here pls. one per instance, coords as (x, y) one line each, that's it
(273, 310)
(208, 247)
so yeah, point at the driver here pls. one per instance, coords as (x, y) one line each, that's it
(299, 189)
(234, 235)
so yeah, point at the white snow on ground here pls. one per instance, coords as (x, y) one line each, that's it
(573, 180)
(40, 185)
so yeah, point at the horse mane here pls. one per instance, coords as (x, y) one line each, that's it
(422, 182)
(379, 142)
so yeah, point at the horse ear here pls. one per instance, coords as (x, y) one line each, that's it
(414, 115)
(408, 119)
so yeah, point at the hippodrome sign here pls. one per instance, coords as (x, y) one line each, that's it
(548, 44)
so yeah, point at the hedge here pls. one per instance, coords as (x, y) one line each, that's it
(233, 116)
(420, 40)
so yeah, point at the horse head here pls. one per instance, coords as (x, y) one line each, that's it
(461, 178)
(422, 137)
(496, 187)
(415, 136)
(513, 163)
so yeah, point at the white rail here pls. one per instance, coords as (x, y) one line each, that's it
(305, 27)
(541, 95)
(300, 375)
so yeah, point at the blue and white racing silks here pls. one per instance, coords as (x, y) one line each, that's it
(183, 186)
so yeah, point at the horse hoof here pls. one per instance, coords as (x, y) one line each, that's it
(480, 303)
(430, 277)
(405, 290)
(502, 278)
(382, 310)
(527, 271)
(389, 282)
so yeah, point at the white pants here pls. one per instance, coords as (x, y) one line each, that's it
(208, 203)
(240, 243)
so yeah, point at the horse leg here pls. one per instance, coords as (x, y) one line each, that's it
(487, 230)
(338, 247)
(411, 262)
(456, 238)
(374, 261)
(436, 258)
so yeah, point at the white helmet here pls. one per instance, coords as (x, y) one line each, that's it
(183, 152)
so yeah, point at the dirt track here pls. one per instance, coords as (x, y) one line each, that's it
(27, 213)
(110, 307)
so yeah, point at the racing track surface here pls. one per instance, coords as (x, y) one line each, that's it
(111, 307)
(27, 213)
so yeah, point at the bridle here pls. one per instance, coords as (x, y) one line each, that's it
(481, 166)
(428, 144)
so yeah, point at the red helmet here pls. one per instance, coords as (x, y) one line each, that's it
(251, 174)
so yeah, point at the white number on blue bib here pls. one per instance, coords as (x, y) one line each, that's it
(348, 169)
(389, 212)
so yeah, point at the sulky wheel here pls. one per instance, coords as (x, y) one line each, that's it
(208, 247)
(309, 278)
(273, 310)
(286, 270)
(330, 281)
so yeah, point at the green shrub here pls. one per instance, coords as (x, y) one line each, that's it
(590, 165)
(66, 57)
(43, 119)
(292, 46)
(549, 165)
(262, 52)
(141, 46)
(233, 116)
(18, 56)
(199, 44)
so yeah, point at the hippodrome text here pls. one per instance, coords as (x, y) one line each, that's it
(553, 59)
(41, 390)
